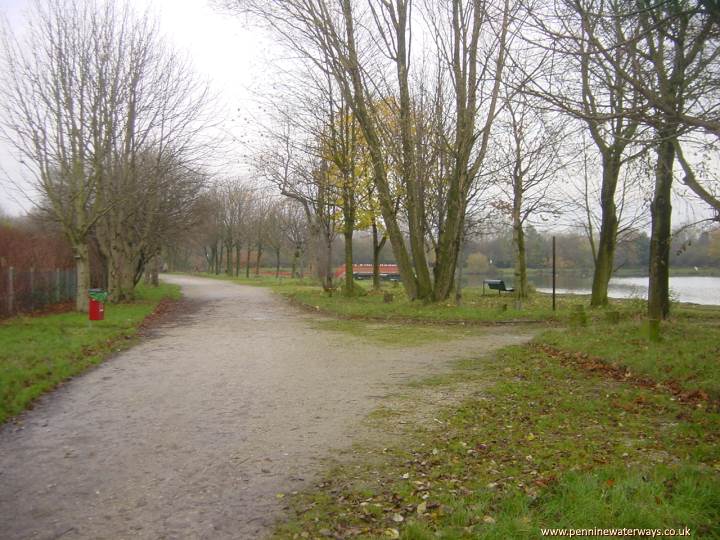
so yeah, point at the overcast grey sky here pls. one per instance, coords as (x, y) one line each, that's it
(235, 58)
(238, 61)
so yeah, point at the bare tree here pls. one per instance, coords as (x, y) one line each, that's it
(103, 114)
(157, 152)
(675, 59)
(294, 225)
(582, 84)
(234, 202)
(677, 50)
(293, 161)
(631, 204)
(529, 161)
(274, 232)
(349, 41)
(57, 97)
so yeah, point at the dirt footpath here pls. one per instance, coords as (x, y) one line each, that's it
(194, 432)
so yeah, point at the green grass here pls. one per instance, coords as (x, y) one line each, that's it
(688, 355)
(477, 307)
(38, 353)
(544, 444)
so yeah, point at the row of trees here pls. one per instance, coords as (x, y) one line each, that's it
(106, 120)
(432, 117)
(691, 247)
(422, 122)
(206, 249)
(242, 221)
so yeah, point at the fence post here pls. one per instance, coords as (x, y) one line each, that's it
(57, 285)
(11, 291)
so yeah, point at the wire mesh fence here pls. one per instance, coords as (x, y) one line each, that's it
(22, 291)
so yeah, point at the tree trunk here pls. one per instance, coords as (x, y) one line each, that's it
(349, 282)
(520, 261)
(228, 258)
(661, 212)
(415, 207)
(218, 257)
(323, 258)
(151, 273)
(258, 257)
(247, 261)
(459, 277)
(328, 280)
(82, 268)
(155, 271)
(124, 286)
(237, 258)
(448, 243)
(375, 148)
(211, 259)
(277, 263)
(296, 258)
(519, 242)
(376, 256)
(605, 256)
(121, 276)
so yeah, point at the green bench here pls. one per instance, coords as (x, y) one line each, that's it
(496, 285)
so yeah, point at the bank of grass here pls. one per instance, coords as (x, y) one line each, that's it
(688, 355)
(543, 443)
(477, 306)
(38, 353)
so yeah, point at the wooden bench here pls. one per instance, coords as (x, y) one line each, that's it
(496, 285)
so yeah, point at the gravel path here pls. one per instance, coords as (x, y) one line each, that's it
(194, 432)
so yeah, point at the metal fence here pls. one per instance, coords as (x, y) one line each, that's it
(22, 291)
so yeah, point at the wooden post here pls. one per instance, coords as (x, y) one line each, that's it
(11, 291)
(554, 273)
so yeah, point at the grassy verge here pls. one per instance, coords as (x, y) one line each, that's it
(477, 306)
(687, 358)
(38, 353)
(542, 443)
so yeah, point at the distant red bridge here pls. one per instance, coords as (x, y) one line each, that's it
(388, 272)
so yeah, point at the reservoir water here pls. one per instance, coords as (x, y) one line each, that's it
(695, 289)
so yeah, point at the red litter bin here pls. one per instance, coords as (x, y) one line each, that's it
(96, 307)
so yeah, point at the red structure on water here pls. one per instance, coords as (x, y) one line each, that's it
(388, 272)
